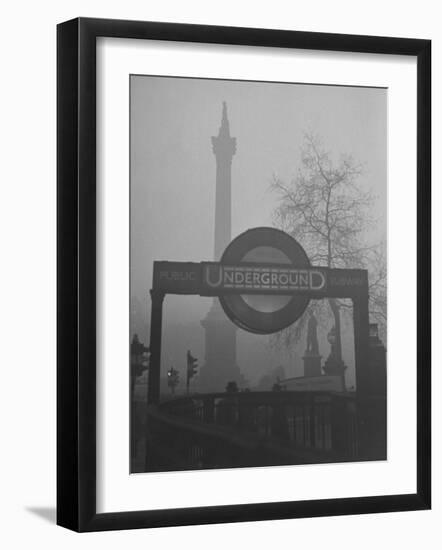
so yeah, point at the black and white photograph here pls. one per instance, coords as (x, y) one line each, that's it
(258, 274)
(221, 323)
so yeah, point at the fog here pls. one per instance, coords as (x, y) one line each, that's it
(173, 187)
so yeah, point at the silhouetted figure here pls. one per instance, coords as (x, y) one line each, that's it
(228, 406)
(232, 387)
(277, 386)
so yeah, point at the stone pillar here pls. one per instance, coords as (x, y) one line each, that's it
(224, 148)
(220, 360)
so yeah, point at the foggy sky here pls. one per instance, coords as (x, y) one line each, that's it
(173, 179)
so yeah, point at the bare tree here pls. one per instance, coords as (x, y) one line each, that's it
(329, 214)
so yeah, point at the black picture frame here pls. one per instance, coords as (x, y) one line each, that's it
(76, 273)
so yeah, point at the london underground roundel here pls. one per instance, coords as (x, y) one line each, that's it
(265, 313)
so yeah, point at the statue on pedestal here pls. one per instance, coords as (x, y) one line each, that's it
(312, 359)
(312, 336)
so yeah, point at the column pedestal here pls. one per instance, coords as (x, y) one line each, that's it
(220, 361)
(334, 367)
(312, 364)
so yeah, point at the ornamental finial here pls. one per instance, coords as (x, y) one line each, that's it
(224, 128)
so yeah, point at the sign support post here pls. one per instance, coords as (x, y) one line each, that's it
(361, 336)
(363, 375)
(153, 386)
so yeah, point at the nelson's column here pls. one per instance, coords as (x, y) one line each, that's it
(220, 361)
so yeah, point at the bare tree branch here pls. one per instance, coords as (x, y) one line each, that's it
(326, 210)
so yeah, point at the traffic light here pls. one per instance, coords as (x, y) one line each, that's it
(139, 356)
(192, 366)
(173, 378)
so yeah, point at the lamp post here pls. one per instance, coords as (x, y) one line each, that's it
(334, 365)
(331, 339)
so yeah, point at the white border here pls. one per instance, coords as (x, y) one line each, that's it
(116, 490)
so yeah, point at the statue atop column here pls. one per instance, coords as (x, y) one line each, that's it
(312, 359)
(312, 336)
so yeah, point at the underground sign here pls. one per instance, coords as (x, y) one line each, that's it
(281, 265)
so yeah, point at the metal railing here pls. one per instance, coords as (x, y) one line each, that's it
(224, 430)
